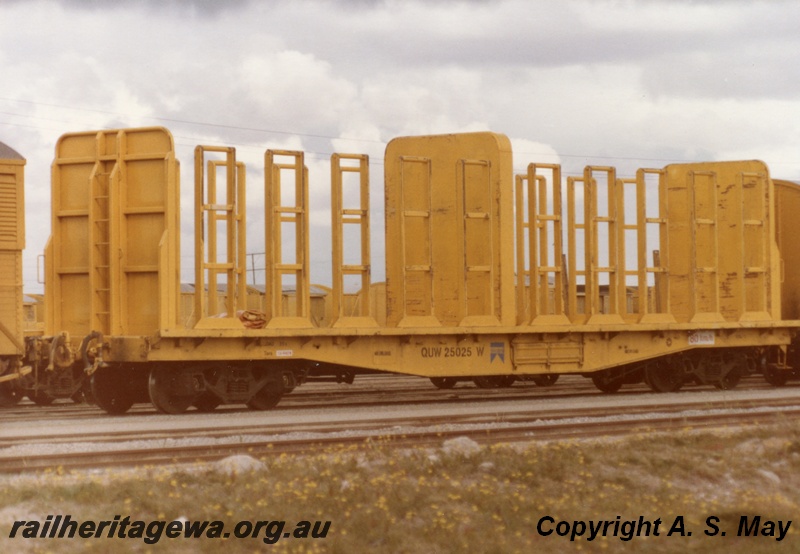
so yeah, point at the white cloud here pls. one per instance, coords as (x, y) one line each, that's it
(528, 151)
(290, 86)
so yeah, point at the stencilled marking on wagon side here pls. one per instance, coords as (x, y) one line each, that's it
(699, 338)
(452, 351)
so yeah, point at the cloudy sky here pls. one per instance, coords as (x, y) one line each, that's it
(624, 83)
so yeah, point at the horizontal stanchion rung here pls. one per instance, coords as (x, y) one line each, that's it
(479, 268)
(284, 166)
(477, 215)
(418, 268)
(207, 148)
(353, 211)
(218, 207)
(354, 268)
(416, 213)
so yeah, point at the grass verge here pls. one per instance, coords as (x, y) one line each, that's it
(459, 498)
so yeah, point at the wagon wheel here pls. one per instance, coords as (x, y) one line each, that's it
(607, 382)
(776, 377)
(504, 381)
(171, 391)
(41, 398)
(484, 382)
(730, 379)
(545, 380)
(268, 396)
(9, 394)
(207, 402)
(660, 377)
(110, 391)
(84, 394)
(494, 381)
(444, 382)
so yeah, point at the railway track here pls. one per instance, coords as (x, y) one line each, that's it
(155, 440)
(375, 391)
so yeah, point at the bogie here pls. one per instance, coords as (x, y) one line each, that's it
(114, 391)
(607, 381)
(661, 376)
(207, 401)
(444, 382)
(545, 380)
(269, 392)
(173, 390)
(9, 394)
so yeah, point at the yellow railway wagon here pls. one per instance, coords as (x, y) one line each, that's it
(672, 274)
(12, 242)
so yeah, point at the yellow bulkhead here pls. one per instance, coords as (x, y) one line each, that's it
(112, 262)
(449, 231)
(12, 242)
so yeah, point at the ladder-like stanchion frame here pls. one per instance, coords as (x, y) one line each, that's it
(543, 310)
(341, 216)
(576, 315)
(612, 310)
(207, 266)
(276, 214)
